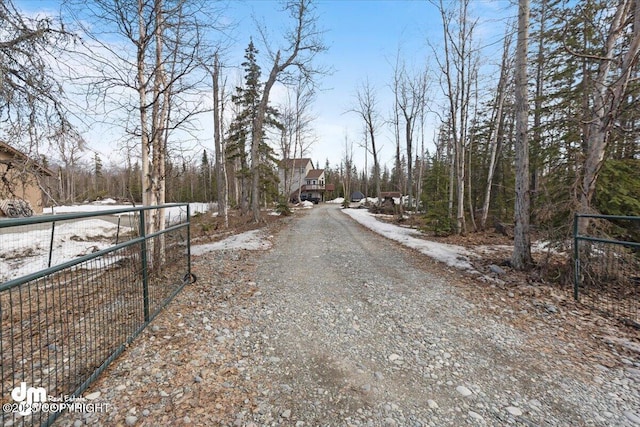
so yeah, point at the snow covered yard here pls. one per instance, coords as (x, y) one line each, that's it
(26, 249)
(109, 204)
(24, 252)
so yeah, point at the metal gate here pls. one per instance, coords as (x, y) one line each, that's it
(76, 289)
(606, 270)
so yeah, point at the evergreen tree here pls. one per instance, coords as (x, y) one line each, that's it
(98, 179)
(247, 99)
(205, 177)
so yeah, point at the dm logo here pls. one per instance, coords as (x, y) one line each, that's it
(27, 397)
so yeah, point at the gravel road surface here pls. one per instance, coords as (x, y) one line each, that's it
(337, 326)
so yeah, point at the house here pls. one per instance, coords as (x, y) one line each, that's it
(20, 178)
(298, 177)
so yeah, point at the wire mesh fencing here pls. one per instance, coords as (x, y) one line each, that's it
(607, 269)
(76, 290)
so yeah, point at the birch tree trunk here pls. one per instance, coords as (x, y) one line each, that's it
(221, 162)
(162, 95)
(452, 182)
(148, 198)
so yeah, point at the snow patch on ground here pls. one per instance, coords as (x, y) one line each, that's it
(306, 204)
(253, 240)
(27, 252)
(338, 201)
(452, 255)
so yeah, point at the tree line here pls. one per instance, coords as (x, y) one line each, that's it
(552, 131)
(555, 135)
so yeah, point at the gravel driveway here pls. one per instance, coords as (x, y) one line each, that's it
(336, 326)
(351, 330)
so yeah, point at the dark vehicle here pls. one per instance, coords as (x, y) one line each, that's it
(307, 197)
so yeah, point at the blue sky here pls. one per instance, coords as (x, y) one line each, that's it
(363, 37)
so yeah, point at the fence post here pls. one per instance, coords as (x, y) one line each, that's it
(53, 230)
(576, 258)
(145, 267)
(188, 241)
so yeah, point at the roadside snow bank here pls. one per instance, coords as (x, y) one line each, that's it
(253, 240)
(452, 255)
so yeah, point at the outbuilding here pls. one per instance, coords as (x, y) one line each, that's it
(357, 196)
(21, 182)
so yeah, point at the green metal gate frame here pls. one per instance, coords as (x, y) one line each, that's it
(149, 311)
(577, 238)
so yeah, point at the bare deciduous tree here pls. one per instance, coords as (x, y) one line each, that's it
(150, 48)
(411, 97)
(303, 44)
(32, 102)
(30, 94)
(297, 131)
(366, 108)
(346, 170)
(69, 146)
(458, 68)
(220, 146)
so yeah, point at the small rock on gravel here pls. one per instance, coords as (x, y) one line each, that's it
(476, 416)
(516, 412)
(131, 420)
(465, 392)
(93, 396)
(634, 418)
(497, 270)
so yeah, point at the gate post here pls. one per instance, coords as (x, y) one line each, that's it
(145, 266)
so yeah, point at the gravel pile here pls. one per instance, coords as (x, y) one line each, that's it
(336, 326)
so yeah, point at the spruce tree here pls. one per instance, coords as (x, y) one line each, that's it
(247, 99)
